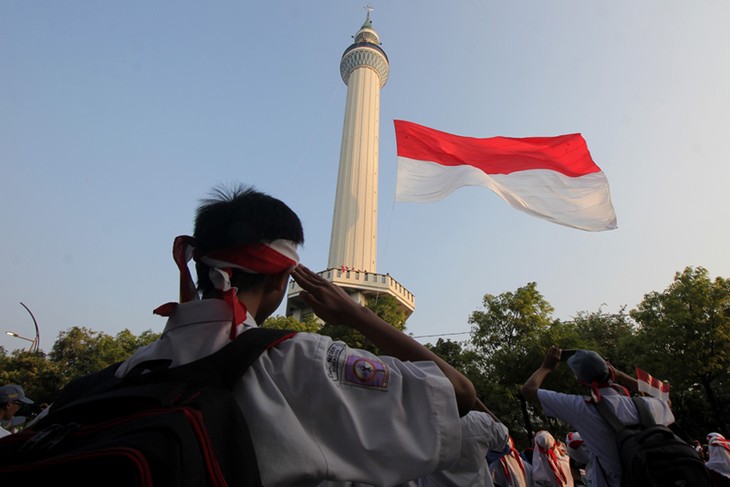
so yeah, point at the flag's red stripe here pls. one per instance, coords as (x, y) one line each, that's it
(567, 154)
(652, 381)
(642, 375)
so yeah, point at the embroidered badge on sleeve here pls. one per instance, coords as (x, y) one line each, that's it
(366, 372)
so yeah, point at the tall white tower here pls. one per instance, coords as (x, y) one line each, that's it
(364, 69)
(351, 264)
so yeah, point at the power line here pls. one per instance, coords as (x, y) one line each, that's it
(442, 334)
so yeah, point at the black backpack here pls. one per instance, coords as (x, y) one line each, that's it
(652, 455)
(177, 426)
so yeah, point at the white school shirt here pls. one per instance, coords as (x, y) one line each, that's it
(479, 434)
(598, 436)
(317, 409)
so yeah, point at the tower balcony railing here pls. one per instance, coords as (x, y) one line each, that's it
(363, 281)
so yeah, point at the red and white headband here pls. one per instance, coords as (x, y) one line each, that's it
(257, 258)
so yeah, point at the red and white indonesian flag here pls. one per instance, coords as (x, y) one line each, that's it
(549, 177)
(650, 385)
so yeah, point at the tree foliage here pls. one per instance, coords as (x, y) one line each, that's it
(684, 338)
(509, 336)
(39, 376)
(508, 319)
(385, 306)
(84, 351)
(611, 335)
(76, 352)
(680, 335)
(310, 323)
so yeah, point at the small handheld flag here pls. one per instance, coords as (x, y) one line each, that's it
(652, 386)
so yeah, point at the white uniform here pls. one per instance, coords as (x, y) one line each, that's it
(598, 435)
(479, 434)
(4, 432)
(319, 410)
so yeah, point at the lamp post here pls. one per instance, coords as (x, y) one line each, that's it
(13, 334)
(37, 342)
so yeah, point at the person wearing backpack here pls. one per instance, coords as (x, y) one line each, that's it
(316, 408)
(605, 383)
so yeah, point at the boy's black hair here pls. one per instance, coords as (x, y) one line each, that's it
(241, 215)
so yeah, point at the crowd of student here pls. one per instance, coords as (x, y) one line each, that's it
(323, 414)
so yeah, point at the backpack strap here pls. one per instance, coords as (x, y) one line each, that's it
(609, 416)
(87, 384)
(231, 361)
(221, 369)
(645, 417)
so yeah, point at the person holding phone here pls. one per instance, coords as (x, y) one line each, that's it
(605, 383)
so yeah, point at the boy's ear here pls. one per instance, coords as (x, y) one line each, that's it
(278, 282)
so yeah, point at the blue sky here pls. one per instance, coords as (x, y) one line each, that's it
(116, 117)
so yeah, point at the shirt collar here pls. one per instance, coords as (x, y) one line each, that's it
(203, 311)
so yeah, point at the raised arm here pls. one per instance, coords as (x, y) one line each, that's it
(533, 383)
(624, 379)
(333, 305)
(480, 406)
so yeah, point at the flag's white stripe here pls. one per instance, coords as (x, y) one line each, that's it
(583, 202)
(653, 390)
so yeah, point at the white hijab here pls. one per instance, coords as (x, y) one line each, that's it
(550, 462)
(719, 449)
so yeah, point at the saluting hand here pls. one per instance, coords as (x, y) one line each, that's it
(331, 303)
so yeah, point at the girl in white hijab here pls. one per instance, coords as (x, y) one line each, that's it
(550, 462)
(719, 461)
(510, 470)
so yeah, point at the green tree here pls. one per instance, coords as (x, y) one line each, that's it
(684, 338)
(39, 376)
(279, 322)
(507, 319)
(612, 335)
(385, 306)
(510, 336)
(81, 351)
(456, 354)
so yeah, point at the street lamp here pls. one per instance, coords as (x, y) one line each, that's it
(37, 342)
(32, 342)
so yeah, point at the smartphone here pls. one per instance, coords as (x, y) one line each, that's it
(566, 354)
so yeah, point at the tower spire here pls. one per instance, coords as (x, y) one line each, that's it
(369, 8)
